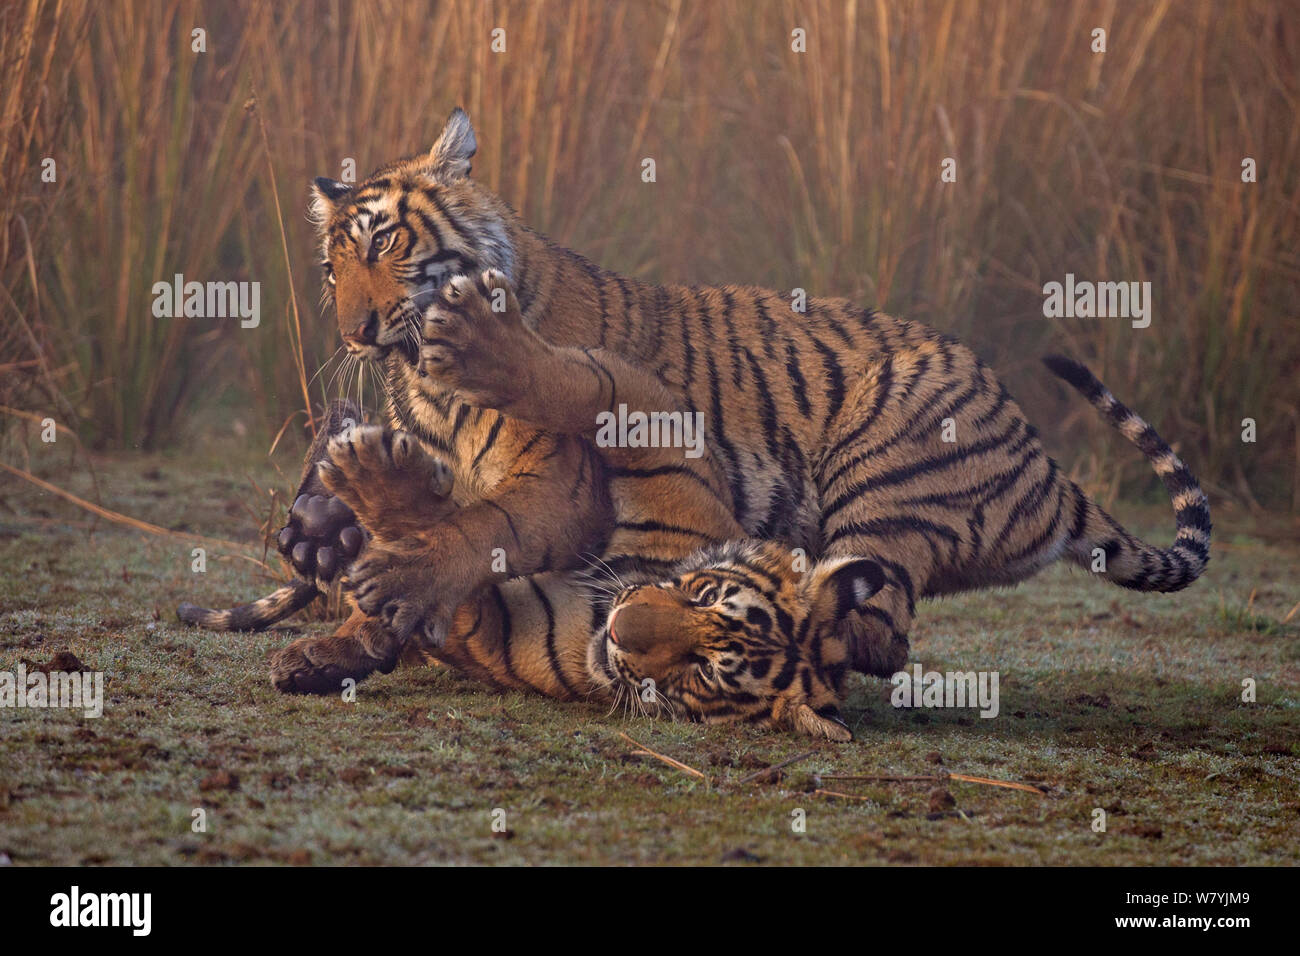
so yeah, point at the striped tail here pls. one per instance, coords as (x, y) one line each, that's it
(257, 616)
(1130, 562)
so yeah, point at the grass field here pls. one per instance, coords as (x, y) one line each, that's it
(1130, 703)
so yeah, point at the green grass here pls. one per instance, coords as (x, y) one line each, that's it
(1108, 699)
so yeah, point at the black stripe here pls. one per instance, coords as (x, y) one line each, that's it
(717, 427)
(628, 302)
(771, 419)
(883, 529)
(432, 228)
(1029, 503)
(798, 384)
(838, 328)
(602, 375)
(507, 632)
(617, 473)
(657, 322)
(491, 440)
(835, 375)
(884, 383)
(688, 350)
(904, 473)
(1080, 514)
(769, 327)
(733, 343)
(510, 522)
(461, 232)
(552, 654)
(649, 526)
(982, 493)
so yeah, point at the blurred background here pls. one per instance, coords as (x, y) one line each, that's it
(819, 170)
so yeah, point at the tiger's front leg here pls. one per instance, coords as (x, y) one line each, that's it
(475, 341)
(545, 505)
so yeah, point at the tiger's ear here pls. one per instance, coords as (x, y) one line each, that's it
(449, 159)
(840, 585)
(326, 196)
(826, 723)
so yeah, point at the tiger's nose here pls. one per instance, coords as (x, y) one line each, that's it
(640, 627)
(368, 332)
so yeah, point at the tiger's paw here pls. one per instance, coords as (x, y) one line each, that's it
(388, 480)
(412, 590)
(475, 341)
(320, 665)
(320, 536)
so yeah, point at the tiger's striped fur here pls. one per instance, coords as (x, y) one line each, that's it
(256, 615)
(829, 425)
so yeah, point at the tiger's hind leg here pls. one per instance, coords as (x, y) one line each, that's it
(877, 632)
(885, 486)
(936, 475)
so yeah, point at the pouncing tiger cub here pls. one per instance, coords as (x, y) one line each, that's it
(827, 424)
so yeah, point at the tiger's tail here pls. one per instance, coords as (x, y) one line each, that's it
(257, 616)
(1129, 561)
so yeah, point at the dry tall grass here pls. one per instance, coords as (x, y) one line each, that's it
(819, 170)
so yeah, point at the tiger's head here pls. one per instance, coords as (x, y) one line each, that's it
(738, 635)
(390, 242)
